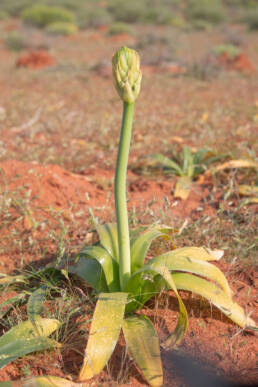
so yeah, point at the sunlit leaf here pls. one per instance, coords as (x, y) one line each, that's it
(104, 333)
(248, 190)
(8, 279)
(108, 238)
(215, 295)
(187, 263)
(183, 187)
(27, 337)
(42, 381)
(199, 253)
(143, 344)
(236, 164)
(109, 265)
(49, 381)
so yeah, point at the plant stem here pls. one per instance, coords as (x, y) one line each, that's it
(120, 195)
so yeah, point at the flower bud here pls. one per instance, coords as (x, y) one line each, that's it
(127, 74)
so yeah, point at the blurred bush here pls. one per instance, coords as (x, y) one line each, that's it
(62, 28)
(128, 11)
(93, 17)
(120, 28)
(14, 41)
(3, 15)
(229, 49)
(43, 15)
(211, 11)
(251, 18)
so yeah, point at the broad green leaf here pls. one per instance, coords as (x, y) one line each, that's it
(199, 253)
(9, 384)
(143, 344)
(104, 333)
(188, 163)
(236, 164)
(34, 306)
(215, 295)
(183, 187)
(22, 347)
(182, 323)
(42, 326)
(8, 279)
(108, 239)
(140, 246)
(90, 271)
(168, 163)
(27, 337)
(187, 263)
(109, 265)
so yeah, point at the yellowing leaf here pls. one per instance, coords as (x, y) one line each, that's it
(143, 344)
(236, 164)
(199, 253)
(215, 295)
(104, 333)
(49, 381)
(183, 187)
(248, 190)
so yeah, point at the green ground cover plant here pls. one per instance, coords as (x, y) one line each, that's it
(123, 278)
(120, 28)
(43, 15)
(210, 11)
(62, 28)
(187, 165)
(228, 49)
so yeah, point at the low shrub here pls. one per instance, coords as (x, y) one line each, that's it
(251, 19)
(229, 49)
(14, 7)
(62, 28)
(209, 10)
(3, 15)
(159, 15)
(120, 28)
(43, 15)
(93, 17)
(128, 12)
(14, 41)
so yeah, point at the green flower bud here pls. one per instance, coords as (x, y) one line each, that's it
(127, 74)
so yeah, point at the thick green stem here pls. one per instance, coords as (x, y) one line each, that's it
(120, 195)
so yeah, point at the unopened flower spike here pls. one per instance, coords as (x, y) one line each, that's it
(127, 74)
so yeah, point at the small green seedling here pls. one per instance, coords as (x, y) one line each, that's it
(187, 165)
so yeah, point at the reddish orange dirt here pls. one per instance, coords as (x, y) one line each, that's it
(46, 190)
(240, 63)
(35, 60)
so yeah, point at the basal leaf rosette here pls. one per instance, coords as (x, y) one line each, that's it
(127, 74)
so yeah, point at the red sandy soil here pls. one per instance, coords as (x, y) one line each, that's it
(36, 60)
(211, 337)
(240, 63)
